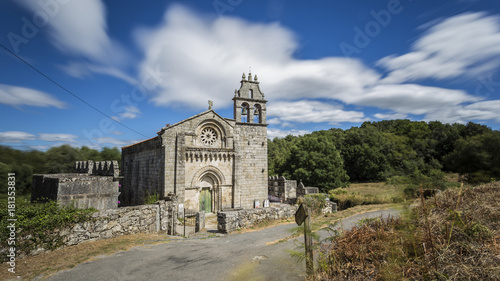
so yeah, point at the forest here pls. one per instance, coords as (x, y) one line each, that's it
(393, 151)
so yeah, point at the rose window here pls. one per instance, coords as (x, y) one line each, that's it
(208, 136)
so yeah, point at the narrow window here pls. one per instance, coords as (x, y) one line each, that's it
(250, 93)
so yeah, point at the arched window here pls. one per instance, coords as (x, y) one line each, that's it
(257, 114)
(244, 112)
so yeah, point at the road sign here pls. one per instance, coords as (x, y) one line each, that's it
(300, 215)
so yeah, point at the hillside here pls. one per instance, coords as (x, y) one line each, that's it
(453, 236)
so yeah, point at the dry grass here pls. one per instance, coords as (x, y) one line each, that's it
(377, 188)
(453, 236)
(47, 264)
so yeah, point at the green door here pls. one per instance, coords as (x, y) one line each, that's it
(206, 200)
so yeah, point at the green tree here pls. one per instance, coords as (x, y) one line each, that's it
(363, 153)
(111, 154)
(316, 161)
(478, 156)
(61, 159)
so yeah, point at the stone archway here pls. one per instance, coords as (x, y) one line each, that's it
(206, 189)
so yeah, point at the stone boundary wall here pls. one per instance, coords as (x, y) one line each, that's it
(159, 217)
(232, 220)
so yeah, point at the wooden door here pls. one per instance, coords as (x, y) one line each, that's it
(206, 200)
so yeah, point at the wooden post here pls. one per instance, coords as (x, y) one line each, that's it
(308, 243)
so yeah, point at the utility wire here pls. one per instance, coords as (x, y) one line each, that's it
(68, 91)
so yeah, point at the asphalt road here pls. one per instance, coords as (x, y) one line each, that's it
(240, 256)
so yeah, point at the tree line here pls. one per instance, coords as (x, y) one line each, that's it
(59, 159)
(398, 151)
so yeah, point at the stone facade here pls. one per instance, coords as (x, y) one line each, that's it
(94, 185)
(281, 188)
(209, 162)
(230, 221)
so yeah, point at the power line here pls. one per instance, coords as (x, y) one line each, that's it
(68, 91)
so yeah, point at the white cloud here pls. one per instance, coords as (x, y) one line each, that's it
(389, 116)
(111, 140)
(277, 133)
(480, 111)
(83, 69)
(78, 27)
(131, 112)
(58, 137)
(306, 111)
(202, 54)
(18, 96)
(15, 136)
(412, 98)
(465, 44)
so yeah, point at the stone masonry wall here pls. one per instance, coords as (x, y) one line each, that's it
(80, 190)
(251, 180)
(229, 221)
(142, 167)
(158, 217)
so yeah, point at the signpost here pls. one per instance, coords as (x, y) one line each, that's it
(303, 214)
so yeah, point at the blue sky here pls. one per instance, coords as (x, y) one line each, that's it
(321, 65)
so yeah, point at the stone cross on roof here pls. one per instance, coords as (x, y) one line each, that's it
(210, 104)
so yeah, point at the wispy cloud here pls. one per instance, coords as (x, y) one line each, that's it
(131, 112)
(297, 89)
(79, 29)
(465, 44)
(277, 133)
(15, 136)
(19, 96)
(202, 55)
(111, 140)
(58, 137)
(306, 111)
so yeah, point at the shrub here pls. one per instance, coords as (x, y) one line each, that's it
(38, 224)
(151, 198)
(315, 202)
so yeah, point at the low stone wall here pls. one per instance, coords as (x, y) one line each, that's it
(232, 220)
(159, 217)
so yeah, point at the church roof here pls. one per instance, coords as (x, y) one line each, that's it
(193, 117)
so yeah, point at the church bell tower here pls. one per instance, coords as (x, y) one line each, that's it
(249, 102)
(250, 177)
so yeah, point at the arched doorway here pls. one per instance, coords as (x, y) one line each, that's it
(207, 185)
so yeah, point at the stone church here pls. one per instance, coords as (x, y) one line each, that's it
(209, 162)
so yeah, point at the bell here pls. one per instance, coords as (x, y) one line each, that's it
(244, 111)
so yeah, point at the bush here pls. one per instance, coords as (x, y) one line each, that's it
(38, 224)
(315, 202)
(151, 198)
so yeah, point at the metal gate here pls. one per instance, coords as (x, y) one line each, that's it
(189, 222)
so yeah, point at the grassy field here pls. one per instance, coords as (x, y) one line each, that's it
(375, 189)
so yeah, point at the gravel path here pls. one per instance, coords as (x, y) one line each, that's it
(240, 256)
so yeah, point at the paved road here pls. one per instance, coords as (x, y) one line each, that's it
(241, 256)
